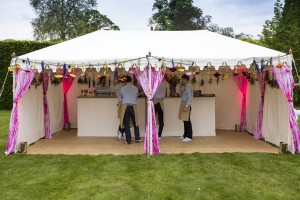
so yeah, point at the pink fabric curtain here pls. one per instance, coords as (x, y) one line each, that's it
(156, 79)
(242, 83)
(45, 77)
(262, 86)
(22, 82)
(67, 83)
(285, 82)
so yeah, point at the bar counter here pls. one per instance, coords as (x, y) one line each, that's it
(97, 116)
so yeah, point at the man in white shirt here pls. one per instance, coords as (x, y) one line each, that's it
(129, 94)
(159, 106)
(186, 94)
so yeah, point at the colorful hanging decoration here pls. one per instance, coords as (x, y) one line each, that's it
(180, 68)
(255, 66)
(279, 65)
(225, 76)
(57, 75)
(262, 65)
(194, 79)
(65, 70)
(267, 76)
(217, 75)
(94, 82)
(202, 81)
(235, 73)
(210, 79)
(72, 70)
(106, 72)
(173, 68)
(244, 73)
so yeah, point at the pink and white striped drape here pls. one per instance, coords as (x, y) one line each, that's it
(242, 83)
(262, 86)
(156, 79)
(22, 82)
(67, 83)
(285, 82)
(45, 77)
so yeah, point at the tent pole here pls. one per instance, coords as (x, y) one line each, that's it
(150, 110)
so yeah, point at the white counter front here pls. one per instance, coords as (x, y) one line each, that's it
(98, 117)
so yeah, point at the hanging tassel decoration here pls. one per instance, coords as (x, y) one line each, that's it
(94, 82)
(256, 66)
(42, 65)
(65, 70)
(262, 65)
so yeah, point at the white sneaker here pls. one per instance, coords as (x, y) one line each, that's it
(187, 139)
(123, 137)
(120, 136)
(182, 138)
(159, 138)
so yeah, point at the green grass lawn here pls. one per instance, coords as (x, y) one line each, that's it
(184, 176)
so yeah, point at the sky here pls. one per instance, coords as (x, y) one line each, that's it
(242, 15)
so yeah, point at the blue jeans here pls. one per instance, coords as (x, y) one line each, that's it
(129, 113)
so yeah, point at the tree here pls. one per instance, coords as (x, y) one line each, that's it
(270, 26)
(282, 32)
(228, 31)
(243, 35)
(66, 19)
(178, 15)
(253, 41)
(182, 15)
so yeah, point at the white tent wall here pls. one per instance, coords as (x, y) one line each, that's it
(31, 116)
(252, 106)
(228, 107)
(228, 100)
(72, 95)
(55, 99)
(31, 113)
(276, 127)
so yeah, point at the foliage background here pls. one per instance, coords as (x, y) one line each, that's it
(7, 47)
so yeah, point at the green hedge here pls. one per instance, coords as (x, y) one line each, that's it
(7, 47)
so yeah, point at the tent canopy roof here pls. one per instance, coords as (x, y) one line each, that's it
(200, 46)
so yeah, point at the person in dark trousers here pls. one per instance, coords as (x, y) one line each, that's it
(129, 94)
(186, 94)
(159, 106)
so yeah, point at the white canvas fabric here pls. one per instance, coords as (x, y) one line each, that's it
(276, 127)
(31, 113)
(252, 106)
(200, 46)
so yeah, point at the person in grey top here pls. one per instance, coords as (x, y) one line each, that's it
(186, 94)
(102, 87)
(159, 106)
(122, 82)
(129, 94)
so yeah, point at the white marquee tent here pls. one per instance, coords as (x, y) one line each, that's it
(201, 47)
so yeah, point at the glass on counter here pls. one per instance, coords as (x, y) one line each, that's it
(106, 93)
(85, 92)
